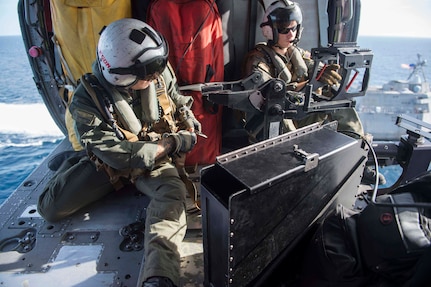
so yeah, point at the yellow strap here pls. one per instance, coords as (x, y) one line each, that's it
(164, 101)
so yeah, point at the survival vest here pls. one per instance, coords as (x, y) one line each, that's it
(293, 67)
(194, 34)
(122, 113)
(123, 119)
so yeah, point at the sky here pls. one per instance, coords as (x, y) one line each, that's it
(403, 18)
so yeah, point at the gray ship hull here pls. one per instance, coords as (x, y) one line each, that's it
(379, 109)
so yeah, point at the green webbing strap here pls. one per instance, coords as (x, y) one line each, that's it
(101, 103)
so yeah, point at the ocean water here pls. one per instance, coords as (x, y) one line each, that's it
(28, 134)
(391, 56)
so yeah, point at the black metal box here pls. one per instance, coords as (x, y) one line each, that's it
(258, 201)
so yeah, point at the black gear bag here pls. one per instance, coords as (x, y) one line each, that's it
(388, 242)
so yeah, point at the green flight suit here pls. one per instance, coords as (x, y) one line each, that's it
(77, 183)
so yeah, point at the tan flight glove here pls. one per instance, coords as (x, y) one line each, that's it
(330, 75)
(187, 120)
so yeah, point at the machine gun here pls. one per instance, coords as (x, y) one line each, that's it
(267, 103)
(351, 59)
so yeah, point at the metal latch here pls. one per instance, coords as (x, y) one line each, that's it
(311, 160)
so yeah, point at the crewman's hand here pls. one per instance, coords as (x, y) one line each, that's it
(184, 141)
(330, 75)
(188, 121)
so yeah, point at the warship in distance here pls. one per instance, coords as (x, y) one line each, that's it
(381, 106)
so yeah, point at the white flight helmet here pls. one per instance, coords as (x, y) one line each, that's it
(277, 15)
(130, 50)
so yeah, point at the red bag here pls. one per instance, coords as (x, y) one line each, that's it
(193, 31)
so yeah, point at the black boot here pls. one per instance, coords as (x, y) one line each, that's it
(158, 282)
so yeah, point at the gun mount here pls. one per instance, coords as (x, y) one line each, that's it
(268, 103)
(412, 152)
(351, 58)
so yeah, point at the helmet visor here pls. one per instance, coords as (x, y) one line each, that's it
(151, 69)
(147, 69)
(281, 17)
(143, 71)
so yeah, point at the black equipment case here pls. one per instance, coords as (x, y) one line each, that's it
(257, 202)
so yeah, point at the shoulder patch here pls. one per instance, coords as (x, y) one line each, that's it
(84, 117)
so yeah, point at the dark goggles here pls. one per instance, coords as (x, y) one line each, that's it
(144, 71)
(286, 30)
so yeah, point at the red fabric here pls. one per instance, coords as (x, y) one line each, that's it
(193, 31)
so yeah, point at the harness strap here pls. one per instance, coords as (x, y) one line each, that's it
(88, 82)
(166, 105)
(298, 63)
(164, 101)
(280, 66)
(85, 81)
(179, 160)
